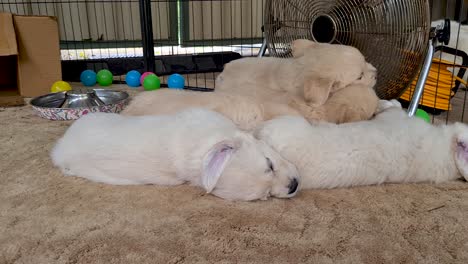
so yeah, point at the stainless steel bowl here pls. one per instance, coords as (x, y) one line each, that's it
(78, 102)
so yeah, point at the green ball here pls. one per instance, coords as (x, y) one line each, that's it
(151, 82)
(423, 115)
(104, 77)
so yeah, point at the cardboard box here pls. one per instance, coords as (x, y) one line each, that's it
(29, 56)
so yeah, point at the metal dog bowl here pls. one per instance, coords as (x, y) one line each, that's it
(73, 104)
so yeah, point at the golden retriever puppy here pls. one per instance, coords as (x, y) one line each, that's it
(245, 112)
(315, 71)
(390, 148)
(195, 146)
(356, 102)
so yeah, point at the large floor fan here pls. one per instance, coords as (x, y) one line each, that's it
(394, 35)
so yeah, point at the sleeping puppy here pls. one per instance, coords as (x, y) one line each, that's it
(195, 146)
(315, 71)
(391, 148)
(245, 112)
(356, 102)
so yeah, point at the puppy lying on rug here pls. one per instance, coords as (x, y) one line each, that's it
(316, 71)
(245, 112)
(392, 148)
(323, 82)
(356, 102)
(194, 146)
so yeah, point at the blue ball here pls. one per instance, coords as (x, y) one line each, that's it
(133, 78)
(176, 81)
(88, 78)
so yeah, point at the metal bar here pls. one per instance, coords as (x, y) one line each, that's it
(421, 80)
(458, 9)
(147, 35)
(262, 51)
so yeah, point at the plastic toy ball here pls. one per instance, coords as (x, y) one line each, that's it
(151, 82)
(176, 81)
(104, 77)
(88, 78)
(133, 78)
(423, 115)
(142, 78)
(60, 86)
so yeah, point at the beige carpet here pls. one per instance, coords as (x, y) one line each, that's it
(48, 218)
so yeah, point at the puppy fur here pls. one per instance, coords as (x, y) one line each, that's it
(356, 102)
(391, 148)
(247, 113)
(315, 71)
(194, 146)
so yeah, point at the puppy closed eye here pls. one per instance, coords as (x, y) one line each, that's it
(270, 166)
(362, 75)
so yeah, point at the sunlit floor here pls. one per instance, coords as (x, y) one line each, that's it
(105, 53)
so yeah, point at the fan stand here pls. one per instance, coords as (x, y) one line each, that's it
(438, 34)
(419, 88)
(263, 48)
(441, 34)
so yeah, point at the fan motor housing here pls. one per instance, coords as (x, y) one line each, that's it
(323, 29)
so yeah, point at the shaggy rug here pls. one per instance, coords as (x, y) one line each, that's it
(48, 218)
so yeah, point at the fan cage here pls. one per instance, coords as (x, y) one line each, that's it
(392, 35)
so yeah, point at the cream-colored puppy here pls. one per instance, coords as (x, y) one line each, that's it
(315, 71)
(244, 111)
(391, 148)
(358, 101)
(355, 102)
(194, 146)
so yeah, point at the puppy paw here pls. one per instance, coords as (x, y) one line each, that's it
(396, 103)
(310, 113)
(295, 104)
(386, 104)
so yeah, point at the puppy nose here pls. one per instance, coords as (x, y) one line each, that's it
(293, 186)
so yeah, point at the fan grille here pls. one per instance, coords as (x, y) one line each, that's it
(392, 34)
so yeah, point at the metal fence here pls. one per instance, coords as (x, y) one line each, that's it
(157, 35)
(113, 27)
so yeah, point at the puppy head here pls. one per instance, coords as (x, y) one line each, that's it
(247, 169)
(300, 46)
(369, 76)
(461, 149)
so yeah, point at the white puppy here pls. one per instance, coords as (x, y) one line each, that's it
(315, 71)
(197, 146)
(392, 148)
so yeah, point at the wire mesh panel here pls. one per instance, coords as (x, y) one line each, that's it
(225, 22)
(100, 28)
(103, 29)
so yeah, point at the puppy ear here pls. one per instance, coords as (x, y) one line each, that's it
(215, 161)
(317, 90)
(461, 154)
(462, 150)
(300, 46)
